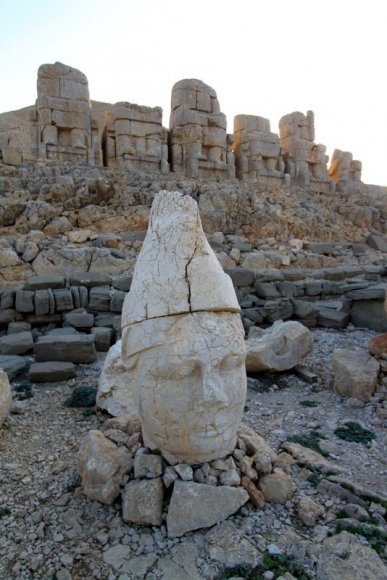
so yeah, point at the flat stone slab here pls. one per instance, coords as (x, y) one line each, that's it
(43, 282)
(18, 343)
(12, 365)
(196, 505)
(77, 348)
(89, 279)
(51, 372)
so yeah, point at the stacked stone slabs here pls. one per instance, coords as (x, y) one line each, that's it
(66, 131)
(135, 139)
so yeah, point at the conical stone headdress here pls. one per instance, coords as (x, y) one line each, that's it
(176, 271)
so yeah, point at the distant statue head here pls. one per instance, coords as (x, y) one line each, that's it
(183, 339)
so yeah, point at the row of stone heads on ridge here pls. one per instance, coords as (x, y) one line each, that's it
(65, 127)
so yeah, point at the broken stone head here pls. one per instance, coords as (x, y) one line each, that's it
(183, 340)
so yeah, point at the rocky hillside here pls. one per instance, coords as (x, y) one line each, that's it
(57, 218)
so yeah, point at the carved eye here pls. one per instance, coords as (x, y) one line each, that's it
(231, 362)
(174, 373)
(183, 372)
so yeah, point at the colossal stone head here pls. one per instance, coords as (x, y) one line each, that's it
(183, 339)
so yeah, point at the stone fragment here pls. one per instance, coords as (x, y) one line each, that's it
(103, 337)
(79, 319)
(138, 566)
(51, 372)
(276, 487)
(376, 346)
(142, 502)
(169, 476)
(5, 396)
(241, 277)
(180, 563)
(90, 279)
(102, 466)
(309, 511)
(184, 471)
(195, 505)
(332, 318)
(76, 348)
(256, 496)
(63, 300)
(226, 544)
(99, 299)
(81, 397)
(369, 314)
(118, 555)
(24, 301)
(355, 374)
(230, 477)
(19, 343)
(344, 556)
(12, 365)
(377, 242)
(116, 393)
(146, 465)
(42, 302)
(306, 456)
(278, 348)
(255, 445)
(20, 326)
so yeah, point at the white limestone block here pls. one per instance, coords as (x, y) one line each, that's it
(5, 396)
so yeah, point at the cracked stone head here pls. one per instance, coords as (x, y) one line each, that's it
(189, 372)
(182, 338)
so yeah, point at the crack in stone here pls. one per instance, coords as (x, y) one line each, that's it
(188, 264)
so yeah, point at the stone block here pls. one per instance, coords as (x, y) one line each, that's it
(117, 301)
(17, 327)
(19, 343)
(78, 348)
(331, 318)
(7, 298)
(355, 373)
(99, 299)
(108, 319)
(90, 279)
(13, 365)
(44, 319)
(148, 465)
(103, 337)
(369, 314)
(51, 372)
(24, 301)
(122, 283)
(196, 505)
(42, 302)
(43, 282)
(372, 292)
(241, 277)
(142, 502)
(80, 319)
(377, 242)
(63, 300)
(266, 290)
(7, 316)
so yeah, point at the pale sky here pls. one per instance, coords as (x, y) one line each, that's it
(263, 57)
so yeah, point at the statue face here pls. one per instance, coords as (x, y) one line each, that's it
(192, 386)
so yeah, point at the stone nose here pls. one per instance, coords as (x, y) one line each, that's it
(213, 388)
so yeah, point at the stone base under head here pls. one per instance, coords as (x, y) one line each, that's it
(189, 372)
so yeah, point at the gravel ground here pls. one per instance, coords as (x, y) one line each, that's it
(49, 529)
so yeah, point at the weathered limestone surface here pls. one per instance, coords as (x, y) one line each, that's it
(355, 373)
(116, 389)
(304, 159)
(135, 139)
(188, 368)
(5, 396)
(195, 505)
(142, 502)
(278, 348)
(257, 150)
(66, 131)
(344, 170)
(102, 466)
(198, 137)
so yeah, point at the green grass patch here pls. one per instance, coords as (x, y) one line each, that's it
(355, 433)
(342, 514)
(279, 565)
(375, 499)
(376, 537)
(310, 440)
(308, 403)
(316, 476)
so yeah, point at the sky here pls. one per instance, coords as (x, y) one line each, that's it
(263, 57)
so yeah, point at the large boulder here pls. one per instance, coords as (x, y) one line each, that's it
(5, 396)
(115, 386)
(278, 348)
(355, 373)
